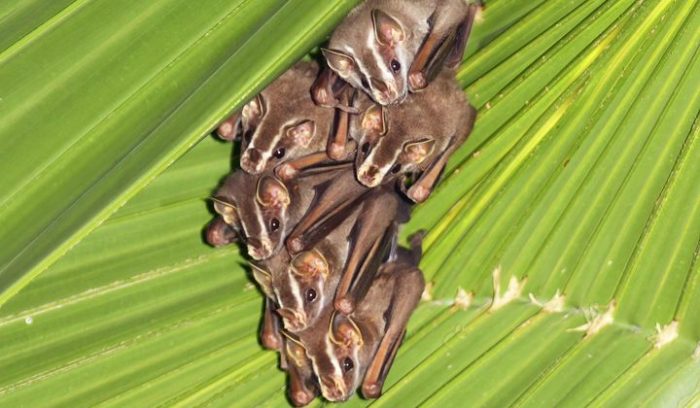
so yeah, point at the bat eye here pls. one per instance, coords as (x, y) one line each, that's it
(395, 66)
(310, 295)
(396, 169)
(348, 364)
(274, 224)
(365, 148)
(365, 83)
(279, 153)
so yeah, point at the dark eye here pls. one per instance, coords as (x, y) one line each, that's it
(365, 148)
(347, 364)
(279, 153)
(365, 83)
(310, 295)
(396, 169)
(274, 224)
(395, 66)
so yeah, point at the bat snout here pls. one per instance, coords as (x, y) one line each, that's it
(369, 175)
(293, 320)
(252, 161)
(386, 93)
(333, 389)
(259, 249)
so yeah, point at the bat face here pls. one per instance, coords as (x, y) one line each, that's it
(308, 286)
(301, 291)
(407, 138)
(262, 221)
(374, 47)
(335, 346)
(283, 123)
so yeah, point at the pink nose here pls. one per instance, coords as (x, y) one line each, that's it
(258, 249)
(369, 176)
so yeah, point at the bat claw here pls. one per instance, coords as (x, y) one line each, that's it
(336, 151)
(295, 245)
(372, 390)
(418, 194)
(417, 81)
(286, 172)
(344, 305)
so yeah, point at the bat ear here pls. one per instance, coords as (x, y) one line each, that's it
(344, 332)
(375, 120)
(272, 193)
(310, 264)
(416, 152)
(387, 30)
(264, 279)
(226, 210)
(339, 62)
(253, 111)
(301, 134)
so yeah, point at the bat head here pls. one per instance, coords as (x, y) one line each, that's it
(305, 290)
(261, 221)
(390, 144)
(283, 123)
(339, 352)
(375, 60)
(407, 138)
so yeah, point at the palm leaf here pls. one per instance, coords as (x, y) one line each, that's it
(570, 219)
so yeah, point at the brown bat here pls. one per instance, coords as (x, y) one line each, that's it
(303, 386)
(339, 248)
(282, 123)
(347, 352)
(388, 47)
(262, 209)
(414, 139)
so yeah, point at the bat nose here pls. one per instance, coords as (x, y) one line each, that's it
(292, 319)
(251, 161)
(369, 175)
(333, 389)
(259, 249)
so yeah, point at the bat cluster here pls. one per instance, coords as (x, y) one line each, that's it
(332, 160)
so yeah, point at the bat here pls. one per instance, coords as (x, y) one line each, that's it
(390, 47)
(415, 139)
(357, 350)
(283, 124)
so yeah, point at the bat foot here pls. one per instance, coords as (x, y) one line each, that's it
(336, 151)
(372, 390)
(417, 81)
(418, 194)
(344, 305)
